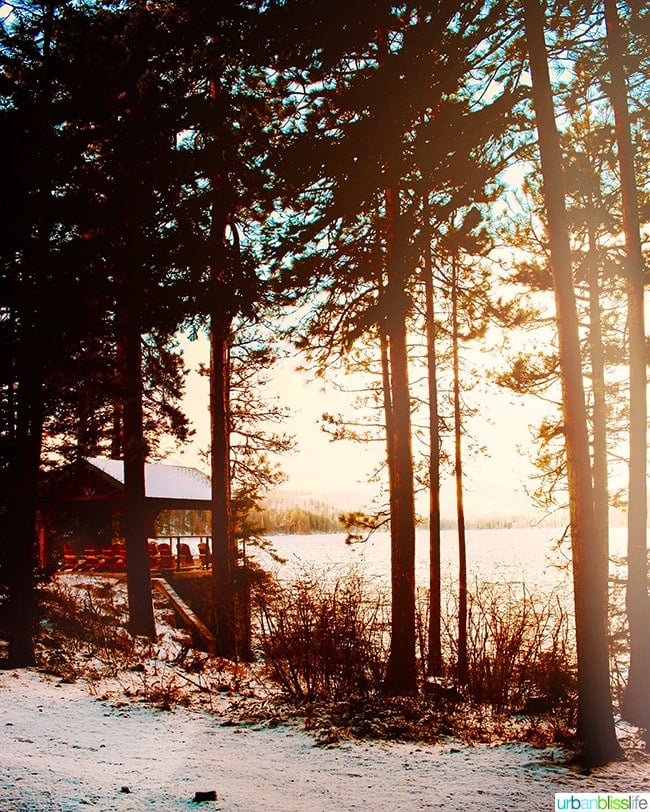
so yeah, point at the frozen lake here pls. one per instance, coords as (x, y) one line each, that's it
(523, 555)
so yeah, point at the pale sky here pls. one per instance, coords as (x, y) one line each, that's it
(493, 483)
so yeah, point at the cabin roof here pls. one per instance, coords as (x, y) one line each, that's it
(161, 481)
(101, 481)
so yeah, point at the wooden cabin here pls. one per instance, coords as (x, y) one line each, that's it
(83, 508)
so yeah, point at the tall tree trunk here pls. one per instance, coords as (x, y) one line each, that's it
(458, 474)
(595, 717)
(136, 520)
(224, 549)
(22, 506)
(636, 701)
(388, 403)
(25, 450)
(116, 452)
(598, 417)
(401, 671)
(224, 553)
(27, 421)
(434, 647)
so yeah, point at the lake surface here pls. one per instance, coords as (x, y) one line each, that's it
(523, 555)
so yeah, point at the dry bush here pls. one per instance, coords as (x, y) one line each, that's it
(328, 639)
(158, 685)
(519, 653)
(323, 638)
(84, 624)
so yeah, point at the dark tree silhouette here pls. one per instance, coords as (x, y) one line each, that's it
(26, 316)
(434, 641)
(386, 108)
(595, 716)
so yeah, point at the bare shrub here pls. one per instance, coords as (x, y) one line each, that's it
(323, 638)
(518, 645)
(157, 685)
(94, 620)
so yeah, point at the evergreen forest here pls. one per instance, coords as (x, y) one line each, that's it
(378, 186)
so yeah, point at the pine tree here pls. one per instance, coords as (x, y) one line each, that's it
(362, 139)
(29, 274)
(595, 717)
(127, 104)
(636, 702)
(234, 119)
(132, 186)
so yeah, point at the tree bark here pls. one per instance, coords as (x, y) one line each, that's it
(434, 641)
(598, 416)
(224, 549)
(636, 700)
(224, 553)
(401, 671)
(595, 717)
(136, 522)
(388, 404)
(22, 504)
(463, 668)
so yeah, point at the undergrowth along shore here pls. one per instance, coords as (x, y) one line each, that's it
(321, 648)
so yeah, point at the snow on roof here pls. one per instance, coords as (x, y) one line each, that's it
(161, 481)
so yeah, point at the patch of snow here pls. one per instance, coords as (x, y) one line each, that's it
(65, 750)
(94, 744)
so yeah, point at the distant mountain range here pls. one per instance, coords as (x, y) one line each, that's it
(344, 502)
(341, 501)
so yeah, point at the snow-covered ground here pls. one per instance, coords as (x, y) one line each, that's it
(63, 749)
(97, 744)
